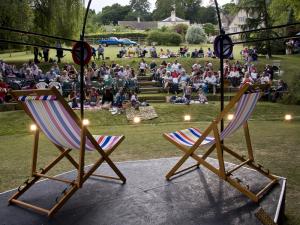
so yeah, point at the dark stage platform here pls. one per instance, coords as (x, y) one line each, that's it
(199, 197)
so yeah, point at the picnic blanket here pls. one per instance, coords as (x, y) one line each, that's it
(145, 113)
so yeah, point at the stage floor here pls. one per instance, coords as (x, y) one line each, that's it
(199, 197)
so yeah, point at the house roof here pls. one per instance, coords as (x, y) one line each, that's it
(170, 19)
(142, 25)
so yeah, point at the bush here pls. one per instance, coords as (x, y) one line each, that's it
(196, 35)
(181, 29)
(164, 38)
(119, 35)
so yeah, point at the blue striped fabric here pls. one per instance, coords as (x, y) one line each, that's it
(56, 123)
(244, 109)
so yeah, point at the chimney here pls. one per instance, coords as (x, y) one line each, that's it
(139, 19)
(173, 16)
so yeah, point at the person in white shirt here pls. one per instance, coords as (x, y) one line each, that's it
(211, 82)
(143, 67)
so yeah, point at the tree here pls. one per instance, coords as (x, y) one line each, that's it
(114, 13)
(16, 14)
(140, 7)
(53, 17)
(289, 15)
(209, 29)
(207, 15)
(259, 17)
(229, 9)
(186, 9)
(195, 35)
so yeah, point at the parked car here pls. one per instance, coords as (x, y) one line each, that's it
(110, 41)
(126, 41)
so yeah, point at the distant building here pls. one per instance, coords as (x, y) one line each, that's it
(139, 25)
(172, 21)
(232, 24)
(146, 25)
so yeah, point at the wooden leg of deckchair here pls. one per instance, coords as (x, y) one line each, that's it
(68, 156)
(219, 152)
(209, 151)
(81, 157)
(178, 164)
(105, 157)
(248, 141)
(44, 171)
(63, 200)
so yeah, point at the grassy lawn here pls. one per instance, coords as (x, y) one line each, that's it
(275, 142)
(110, 52)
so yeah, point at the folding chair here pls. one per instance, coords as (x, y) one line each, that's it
(189, 140)
(53, 116)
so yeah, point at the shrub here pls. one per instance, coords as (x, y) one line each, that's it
(196, 35)
(181, 29)
(164, 38)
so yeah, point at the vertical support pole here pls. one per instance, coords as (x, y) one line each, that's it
(221, 62)
(222, 78)
(82, 95)
(81, 157)
(35, 152)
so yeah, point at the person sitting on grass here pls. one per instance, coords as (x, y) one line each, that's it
(202, 97)
(143, 66)
(107, 99)
(93, 97)
(211, 82)
(187, 93)
(72, 99)
(134, 101)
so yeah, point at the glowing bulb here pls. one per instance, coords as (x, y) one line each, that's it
(187, 118)
(230, 116)
(33, 127)
(288, 117)
(85, 122)
(136, 119)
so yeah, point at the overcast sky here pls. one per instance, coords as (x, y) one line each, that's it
(99, 4)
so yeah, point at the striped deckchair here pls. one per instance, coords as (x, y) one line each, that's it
(189, 140)
(53, 116)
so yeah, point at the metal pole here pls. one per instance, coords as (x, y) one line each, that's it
(82, 95)
(221, 61)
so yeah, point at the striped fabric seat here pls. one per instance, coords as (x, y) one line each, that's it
(188, 137)
(244, 109)
(57, 124)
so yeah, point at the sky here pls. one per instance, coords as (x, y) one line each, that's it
(99, 4)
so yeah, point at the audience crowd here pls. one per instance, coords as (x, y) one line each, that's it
(112, 85)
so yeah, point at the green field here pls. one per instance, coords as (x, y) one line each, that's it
(274, 140)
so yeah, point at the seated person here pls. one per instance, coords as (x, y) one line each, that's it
(134, 101)
(72, 100)
(107, 99)
(211, 82)
(93, 97)
(195, 53)
(201, 97)
(201, 53)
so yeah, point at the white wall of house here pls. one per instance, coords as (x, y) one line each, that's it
(235, 25)
(169, 24)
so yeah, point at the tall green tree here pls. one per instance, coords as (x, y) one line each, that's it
(16, 14)
(112, 14)
(140, 7)
(259, 17)
(290, 14)
(229, 9)
(207, 15)
(61, 18)
(186, 9)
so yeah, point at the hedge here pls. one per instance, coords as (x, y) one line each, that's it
(119, 35)
(164, 38)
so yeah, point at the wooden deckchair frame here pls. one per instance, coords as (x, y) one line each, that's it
(220, 148)
(82, 175)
